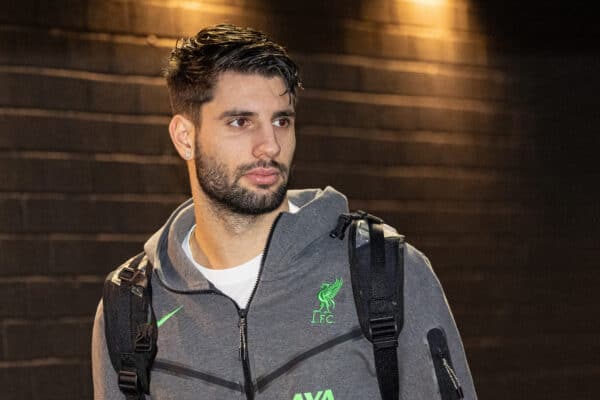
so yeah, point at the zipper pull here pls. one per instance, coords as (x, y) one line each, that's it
(242, 325)
(344, 220)
(452, 376)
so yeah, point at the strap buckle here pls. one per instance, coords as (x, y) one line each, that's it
(384, 332)
(128, 382)
(143, 339)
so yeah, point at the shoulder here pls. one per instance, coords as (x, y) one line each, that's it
(415, 259)
(418, 266)
(418, 271)
(416, 263)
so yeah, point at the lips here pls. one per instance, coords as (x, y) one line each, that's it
(263, 176)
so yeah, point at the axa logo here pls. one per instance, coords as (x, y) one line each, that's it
(324, 314)
(320, 395)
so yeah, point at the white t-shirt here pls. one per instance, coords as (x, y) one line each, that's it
(236, 282)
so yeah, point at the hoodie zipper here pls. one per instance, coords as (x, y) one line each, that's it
(248, 386)
(243, 322)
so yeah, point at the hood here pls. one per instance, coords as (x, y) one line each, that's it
(317, 215)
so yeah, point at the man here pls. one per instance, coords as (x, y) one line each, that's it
(252, 295)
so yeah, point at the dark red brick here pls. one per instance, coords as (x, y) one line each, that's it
(24, 256)
(353, 114)
(522, 353)
(379, 186)
(83, 135)
(47, 339)
(31, 47)
(53, 49)
(65, 380)
(109, 16)
(87, 216)
(86, 176)
(55, 14)
(40, 91)
(91, 257)
(41, 256)
(68, 381)
(38, 175)
(16, 382)
(11, 213)
(458, 222)
(550, 382)
(140, 178)
(61, 298)
(19, 12)
(138, 59)
(366, 150)
(37, 91)
(2, 347)
(13, 299)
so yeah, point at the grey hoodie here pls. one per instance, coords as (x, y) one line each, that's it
(297, 348)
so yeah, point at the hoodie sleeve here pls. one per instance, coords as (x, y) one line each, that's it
(431, 352)
(103, 373)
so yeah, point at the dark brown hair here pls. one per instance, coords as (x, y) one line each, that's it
(196, 62)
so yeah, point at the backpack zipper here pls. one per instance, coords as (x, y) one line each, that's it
(448, 382)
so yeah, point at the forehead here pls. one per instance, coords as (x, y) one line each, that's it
(249, 91)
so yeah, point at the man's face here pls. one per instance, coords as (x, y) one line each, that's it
(246, 143)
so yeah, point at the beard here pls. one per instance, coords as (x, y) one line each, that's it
(229, 195)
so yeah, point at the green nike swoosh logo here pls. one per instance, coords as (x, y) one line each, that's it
(169, 315)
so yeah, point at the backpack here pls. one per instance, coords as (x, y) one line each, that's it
(377, 274)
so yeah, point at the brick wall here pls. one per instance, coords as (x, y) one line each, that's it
(479, 151)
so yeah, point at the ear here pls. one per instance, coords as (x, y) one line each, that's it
(182, 132)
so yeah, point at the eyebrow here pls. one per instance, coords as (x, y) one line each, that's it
(236, 113)
(243, 113)
(284, 113)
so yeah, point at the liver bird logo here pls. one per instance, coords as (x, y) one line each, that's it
(327, 293)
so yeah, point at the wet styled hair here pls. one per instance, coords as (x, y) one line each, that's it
(196, 62)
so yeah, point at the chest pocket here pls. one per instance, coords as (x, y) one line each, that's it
(448, 383)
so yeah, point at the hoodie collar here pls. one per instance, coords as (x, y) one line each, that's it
(318, 214)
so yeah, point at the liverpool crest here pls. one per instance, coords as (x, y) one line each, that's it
(327, 292)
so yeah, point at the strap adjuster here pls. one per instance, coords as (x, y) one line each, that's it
(128, 382)
(384, 332)
(128, 274)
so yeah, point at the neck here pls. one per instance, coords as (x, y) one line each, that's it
(224, 239)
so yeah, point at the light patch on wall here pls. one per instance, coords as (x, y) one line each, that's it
(437, 14)
(430, 2)
(438, 30)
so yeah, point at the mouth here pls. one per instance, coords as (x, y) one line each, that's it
(263, 176)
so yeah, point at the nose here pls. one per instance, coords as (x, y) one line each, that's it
(266, 143)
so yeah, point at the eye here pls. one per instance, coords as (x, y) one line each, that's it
(282, 122)
(239, 122)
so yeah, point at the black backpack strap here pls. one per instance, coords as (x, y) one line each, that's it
(130, 325)
(377, 270)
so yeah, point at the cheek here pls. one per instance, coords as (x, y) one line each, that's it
(232, 155)
(291, 146)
